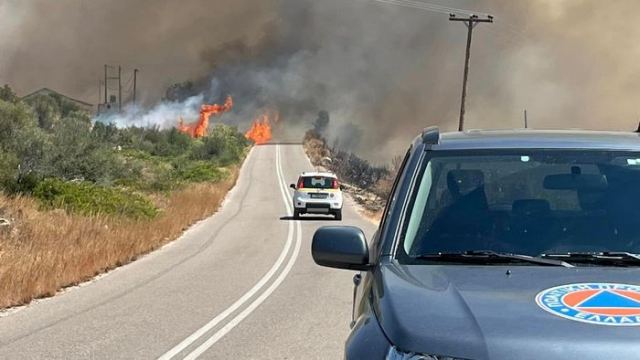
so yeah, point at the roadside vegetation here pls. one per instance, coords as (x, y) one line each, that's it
(79, 198)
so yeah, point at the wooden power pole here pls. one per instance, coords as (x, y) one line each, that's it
(470, 22)
(105, 85)
(135, 84)
(119, 88)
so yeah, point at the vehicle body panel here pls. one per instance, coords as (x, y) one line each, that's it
(480, 312)
(538, 139)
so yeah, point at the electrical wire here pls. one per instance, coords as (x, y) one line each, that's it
(429, 7)
(448, 8)
(421, 5)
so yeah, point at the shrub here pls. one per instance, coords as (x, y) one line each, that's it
(199, 172)
(8, 167)
(14, 119)
(47, 111)
(49, 137)
(90, 199)
(75, 154)
(7, 94)
(22, 143)
(21, 184)
(224, 145)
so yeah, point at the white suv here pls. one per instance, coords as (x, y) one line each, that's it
(317, 193)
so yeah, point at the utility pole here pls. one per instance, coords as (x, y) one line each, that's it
(119, 88)
(135, 82)
(105, 85)
(99, 95)
(470, 22)
(526, 123)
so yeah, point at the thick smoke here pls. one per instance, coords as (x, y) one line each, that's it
(162, 115)
(63, 44)
(382, 72)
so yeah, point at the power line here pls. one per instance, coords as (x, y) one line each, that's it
(128, 82)
(411, 4)
(429, 7)
(470, 21)
(449, 9)
(441, 9)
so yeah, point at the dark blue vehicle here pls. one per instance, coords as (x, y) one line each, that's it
(500, 245)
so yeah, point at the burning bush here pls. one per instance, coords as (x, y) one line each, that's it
(200, 128)
(50, 138)
(260, 130)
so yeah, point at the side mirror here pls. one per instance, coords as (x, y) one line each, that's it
(341, 247)
(293, 186)
(342, 187)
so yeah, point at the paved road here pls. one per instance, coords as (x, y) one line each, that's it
(238, 285)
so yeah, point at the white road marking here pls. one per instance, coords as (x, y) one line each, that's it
(260, 299)
(255, 289)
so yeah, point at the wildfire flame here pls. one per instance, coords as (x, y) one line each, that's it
(260, 131)
(199, 128)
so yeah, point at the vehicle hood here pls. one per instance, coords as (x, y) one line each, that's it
(487, 312)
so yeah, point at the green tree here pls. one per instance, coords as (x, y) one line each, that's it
(7, 94)
(47, 111)
(76, 154)
(106, 133)
(224, 144)
(67, 107)
(8, 168)
(22, 145)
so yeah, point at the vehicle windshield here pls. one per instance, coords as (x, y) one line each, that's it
(317, 182)
(526, 202)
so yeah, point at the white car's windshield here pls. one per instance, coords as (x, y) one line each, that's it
(533, 203)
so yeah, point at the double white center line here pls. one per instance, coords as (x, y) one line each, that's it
(255, 290)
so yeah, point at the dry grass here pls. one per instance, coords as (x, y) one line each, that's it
(42, 252)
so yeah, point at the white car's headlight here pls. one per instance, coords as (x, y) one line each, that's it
(395, 354)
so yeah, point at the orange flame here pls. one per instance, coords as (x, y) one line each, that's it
(199, 129)
(260, 131)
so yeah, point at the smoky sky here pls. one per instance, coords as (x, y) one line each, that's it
(64, 44)
(382, 72)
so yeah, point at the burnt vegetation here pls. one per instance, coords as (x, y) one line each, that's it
(349, 167)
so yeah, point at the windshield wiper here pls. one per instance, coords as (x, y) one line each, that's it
(490, 256)
(619, 258)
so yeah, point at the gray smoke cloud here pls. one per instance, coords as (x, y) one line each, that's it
(63, 44)
(383, 72)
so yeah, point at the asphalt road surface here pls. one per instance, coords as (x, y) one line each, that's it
(238, 285)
